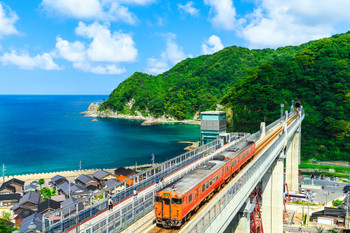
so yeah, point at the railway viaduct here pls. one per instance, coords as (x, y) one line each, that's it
(251, 202)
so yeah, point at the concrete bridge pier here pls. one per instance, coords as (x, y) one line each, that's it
(272, 197)
(241, 222)
(293, 161)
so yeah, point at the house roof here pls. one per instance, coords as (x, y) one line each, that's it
(7, 186)
(31, 186)
(13, 180)
(69, 188)
(84, 178)
(58, 198)
(33, 197)
(35, 218)
(111, 183)
(25, 213)
(48, 204)
(91, 187)
(67, 208)
(57, 179)
(124, 171)
(101, 174)
(10, 197)
(334, 212)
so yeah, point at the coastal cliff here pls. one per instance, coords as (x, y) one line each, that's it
(93, 111)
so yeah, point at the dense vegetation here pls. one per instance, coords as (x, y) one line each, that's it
(192, 85)
(319, 76)
(251, 84)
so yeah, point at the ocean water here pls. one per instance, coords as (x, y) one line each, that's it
(47, 133)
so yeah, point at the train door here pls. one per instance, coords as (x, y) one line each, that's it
(166, 207)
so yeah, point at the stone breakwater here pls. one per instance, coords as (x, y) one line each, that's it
(67, 174)
(149, 120)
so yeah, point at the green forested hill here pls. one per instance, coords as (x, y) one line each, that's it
(253, 83)
(193, 85)
(319, 76)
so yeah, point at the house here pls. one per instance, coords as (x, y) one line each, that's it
(12, 186)
(92, 188)
(126, 180)
(30, 201)
(121, 171)
(48, 206)
(109, 184)
(73, 190)
(86, 180)
(68, 208)
(32, 187)
(34, 219)
(9, 199)
(58, 180)
(19, 218)
(330, 216)
(59, 198)
(103, 175)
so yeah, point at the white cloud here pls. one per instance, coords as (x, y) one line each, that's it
(212, 45)
(172, 55)
(103, 55)
(277, 22)
(7, 20)
(223, 13)
(107, 10)
(107, 46)
(24, 61)
(188, 7)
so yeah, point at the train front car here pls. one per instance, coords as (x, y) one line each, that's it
(168, 208)
(175, 204)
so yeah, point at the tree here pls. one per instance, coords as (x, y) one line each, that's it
(5, 216)
(4, 228)
(47, 193)
(41, 182)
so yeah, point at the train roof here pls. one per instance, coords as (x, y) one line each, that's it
(236, 149)
(186, 183)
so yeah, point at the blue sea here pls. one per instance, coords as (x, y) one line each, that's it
(44, 133)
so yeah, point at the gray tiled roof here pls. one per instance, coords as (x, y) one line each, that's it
(111, 183)
(84, 178)
(31, 186)
(67, 209)
(100, 174)
(73, 189)
(57, 178)
(36, 218)
(33, 197)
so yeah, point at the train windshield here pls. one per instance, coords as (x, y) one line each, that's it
(176, 201)
(158, 199)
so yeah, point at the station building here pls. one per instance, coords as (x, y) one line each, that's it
(213, 124)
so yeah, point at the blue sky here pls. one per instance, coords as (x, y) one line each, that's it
(90, 46)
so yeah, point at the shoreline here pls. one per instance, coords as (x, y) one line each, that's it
(147, 121)
(68, 174)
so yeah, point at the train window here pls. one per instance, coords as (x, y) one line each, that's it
(158, 199)
(176, 201)
(196, 192)
(211, 182)
(190, 198)
(214, 179)
(226, 169)
(207, 185)
(203, 187)
(166, 201)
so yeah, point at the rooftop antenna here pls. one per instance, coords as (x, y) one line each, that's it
(3, 173)
(152, 159)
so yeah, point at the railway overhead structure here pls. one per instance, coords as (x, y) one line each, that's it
(251, 202)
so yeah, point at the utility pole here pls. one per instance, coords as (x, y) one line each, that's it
(80, 165)
(135, 166)
(3, 173)
(347, 209)
(152, 159)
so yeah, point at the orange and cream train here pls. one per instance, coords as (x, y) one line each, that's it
(175, 204)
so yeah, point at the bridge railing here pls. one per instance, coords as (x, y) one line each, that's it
(85, 208)
(203, 223)
(142, 205)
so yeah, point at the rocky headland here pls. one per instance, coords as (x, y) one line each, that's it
(148, 120)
